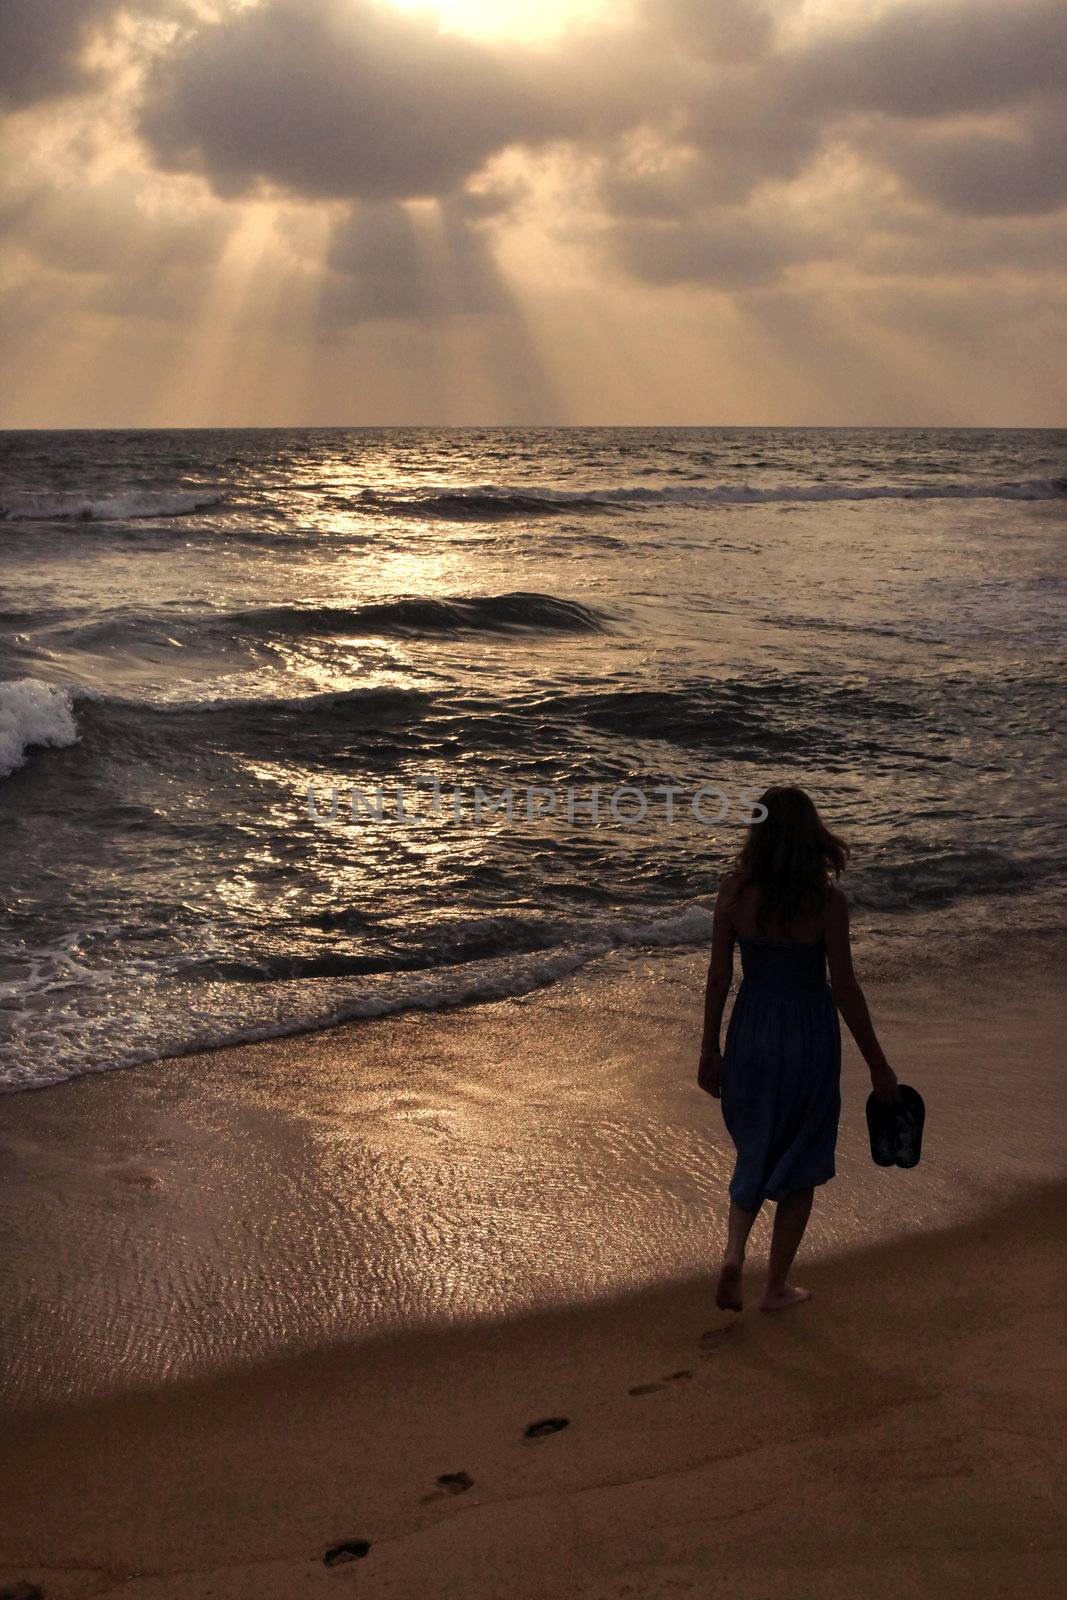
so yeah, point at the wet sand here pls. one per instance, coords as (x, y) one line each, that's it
(432, 1169)
(256, 1304)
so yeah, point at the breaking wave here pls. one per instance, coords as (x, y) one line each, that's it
(32, 713)
(131, 506)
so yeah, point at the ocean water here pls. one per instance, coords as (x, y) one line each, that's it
(200, 627)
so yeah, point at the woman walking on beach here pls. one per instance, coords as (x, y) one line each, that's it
(780, 1076)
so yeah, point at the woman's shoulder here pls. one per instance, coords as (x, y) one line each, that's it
(836, 903)
(730, 886)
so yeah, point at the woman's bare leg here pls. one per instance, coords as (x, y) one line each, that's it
(728, 1291)
(790, 1220)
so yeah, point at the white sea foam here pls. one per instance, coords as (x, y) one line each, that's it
(52, 1038)
(32, 713)
(130, 506)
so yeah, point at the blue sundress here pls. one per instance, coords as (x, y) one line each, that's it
(781, 1072)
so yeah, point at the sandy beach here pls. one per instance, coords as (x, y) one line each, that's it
(199, 1403)
(905, 1428)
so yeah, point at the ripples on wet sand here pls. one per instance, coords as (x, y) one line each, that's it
(452, 1167)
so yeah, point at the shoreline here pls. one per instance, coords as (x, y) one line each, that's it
(884, 961)
(899, 1423)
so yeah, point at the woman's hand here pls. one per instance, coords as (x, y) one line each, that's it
(709, 1073)
(884, 1084)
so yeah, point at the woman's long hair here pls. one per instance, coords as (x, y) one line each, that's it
(790, 858)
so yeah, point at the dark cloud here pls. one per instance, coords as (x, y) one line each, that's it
(45, 45)
(1020, 170)
(934, 59)
(353, 99)
(903, 86)
(750, 129)
(107, 226)
(909, 241)
(956, 101)
(42, 43)
(338, 98)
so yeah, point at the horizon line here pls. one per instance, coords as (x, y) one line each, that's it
(555, 427)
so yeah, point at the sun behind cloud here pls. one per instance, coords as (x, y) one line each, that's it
(530, 20)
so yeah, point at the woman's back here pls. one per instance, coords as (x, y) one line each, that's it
(795, 968)
(790, 960)
(743, 902)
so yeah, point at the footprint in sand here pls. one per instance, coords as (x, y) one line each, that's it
(538, 1430)
(713, 1338)
(348, 1550)
(653, 1388)
(456, 1482)
(449, 1483)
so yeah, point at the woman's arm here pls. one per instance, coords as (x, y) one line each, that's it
(851, 1001)
(720, 976)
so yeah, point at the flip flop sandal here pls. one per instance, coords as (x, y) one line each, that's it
(911, 1116)
(896, 1131)
(882, 1128)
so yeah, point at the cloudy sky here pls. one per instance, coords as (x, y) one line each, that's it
(631, 211)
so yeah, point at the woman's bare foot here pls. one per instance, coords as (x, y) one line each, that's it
(782, 1299)
(728, 1289)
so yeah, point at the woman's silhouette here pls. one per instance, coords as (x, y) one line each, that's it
(780, 1076)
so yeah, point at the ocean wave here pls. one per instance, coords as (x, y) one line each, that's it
(55, 1036)
(64, 1051)
(370, 707)
(67, 1044)
(455, 944)
(491, 501)
(410, 616)
(133, 505)
(769, 714)
(483, 503)
(425, 615)
(946, 877)
(32, 713)
(906, 725)
(773, 717)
